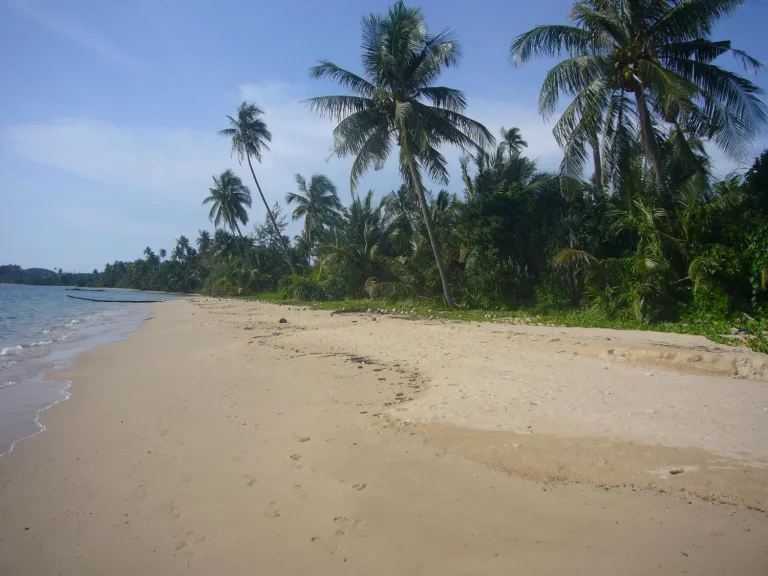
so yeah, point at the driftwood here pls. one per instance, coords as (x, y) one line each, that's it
(120, 301)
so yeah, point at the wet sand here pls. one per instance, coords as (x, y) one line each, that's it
(217, 440)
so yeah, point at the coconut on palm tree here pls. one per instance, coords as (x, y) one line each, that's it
(395, 105)
(317, 203)
(249, 135)
(229, 199)
(643, 66)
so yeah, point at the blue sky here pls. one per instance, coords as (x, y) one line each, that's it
(109, 110)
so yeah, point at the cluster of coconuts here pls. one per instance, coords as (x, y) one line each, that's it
(624, 64)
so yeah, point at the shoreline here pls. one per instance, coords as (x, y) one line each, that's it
(215, 439)
(49, 344)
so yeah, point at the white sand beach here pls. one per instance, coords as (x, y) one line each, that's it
(218, 440)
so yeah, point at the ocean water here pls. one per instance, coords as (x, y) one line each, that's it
(42, 329)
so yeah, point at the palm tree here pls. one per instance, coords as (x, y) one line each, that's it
(249, 136)
(163, 253)
(204, 242)
(512, 141)
(229, 199)
(646, 64)
(398, 105)
(317, 203)
(224, 243)
(151, 257)
(182, 249)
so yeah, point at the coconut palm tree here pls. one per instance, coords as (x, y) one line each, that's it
(204, 242)
(250, 136)
(229, 199)
(163, 253)
(643, 65)
(182, 250)
(317, 203)
(151, 257)
(397, 105)
(512, 141)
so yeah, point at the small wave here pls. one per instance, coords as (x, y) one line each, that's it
(75, 321)
(6, 384)
(8, 364)
(41, 427)
(42, 343)
(11, 351)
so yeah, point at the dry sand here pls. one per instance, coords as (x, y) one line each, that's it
(218, 441)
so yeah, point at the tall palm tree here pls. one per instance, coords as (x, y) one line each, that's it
(512, 141)
(182, 250)
(204, 242)
(398, 105)
(249, 136)
(317, 203)
(163, 253)
(646, 64)
(229, 199)
(150, 255)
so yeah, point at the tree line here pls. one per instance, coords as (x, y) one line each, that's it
(652, 235)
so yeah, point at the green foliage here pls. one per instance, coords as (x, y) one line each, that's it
(756, 255)
(643, 68)
(300, 288)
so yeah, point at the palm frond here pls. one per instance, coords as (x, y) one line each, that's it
(325, 69)
(554, 40)
(338, 107)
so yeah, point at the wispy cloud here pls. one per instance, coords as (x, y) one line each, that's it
(72, 31)
(178, 163)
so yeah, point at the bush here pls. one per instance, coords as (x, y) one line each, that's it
(300, 288)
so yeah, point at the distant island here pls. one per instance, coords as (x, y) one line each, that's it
(15, 274)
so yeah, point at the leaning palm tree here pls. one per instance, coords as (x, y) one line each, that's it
(249, 136)
(512, 141)
(229, 199)
(643, 65)
(317, 203)
(397, 105)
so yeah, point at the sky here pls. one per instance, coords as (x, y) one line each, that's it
(109, 110)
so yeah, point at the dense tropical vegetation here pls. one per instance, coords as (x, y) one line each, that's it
(652, 236)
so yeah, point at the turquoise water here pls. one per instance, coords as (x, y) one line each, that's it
(41, 329)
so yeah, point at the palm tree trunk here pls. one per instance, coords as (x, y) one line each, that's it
(271, 217)
(598, 163)
(649, 138)
(433, 239)
(242, 244)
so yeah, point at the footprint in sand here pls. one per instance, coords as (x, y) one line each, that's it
(250, 480)
(295, 457)
(171, 509)
(272, 511)
(186, 546)
(359, 486)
